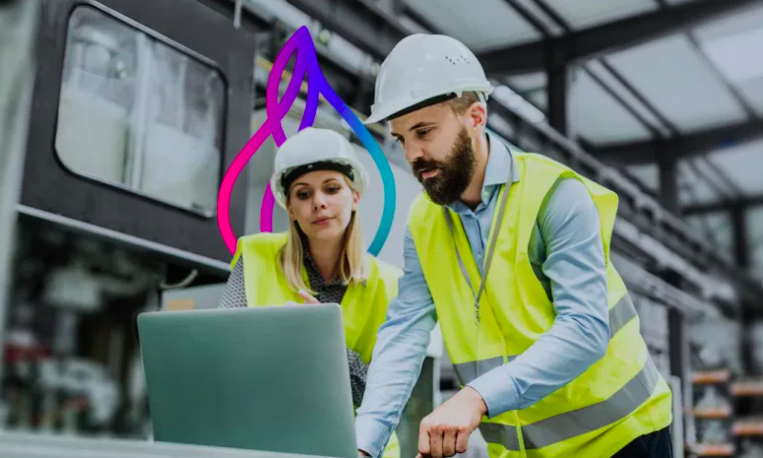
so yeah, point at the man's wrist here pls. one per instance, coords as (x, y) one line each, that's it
(477, 401)
(363, 453)
(498, 391)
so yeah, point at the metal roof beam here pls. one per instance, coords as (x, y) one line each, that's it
(695, 144)
(249, 19)
(361, 22)
(606, 38)
(724, 205)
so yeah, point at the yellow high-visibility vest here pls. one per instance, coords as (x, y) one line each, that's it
(620, 397)
(364, 306)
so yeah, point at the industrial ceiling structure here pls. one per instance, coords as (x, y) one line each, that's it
(665, 90)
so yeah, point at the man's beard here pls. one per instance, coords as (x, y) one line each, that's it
(455, 174)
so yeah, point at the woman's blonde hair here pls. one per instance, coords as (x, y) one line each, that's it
(352, 255)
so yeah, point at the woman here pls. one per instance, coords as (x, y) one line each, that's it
(321, 258)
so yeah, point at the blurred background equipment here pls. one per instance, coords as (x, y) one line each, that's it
(18, 23)
(112, 152)
(137, 118)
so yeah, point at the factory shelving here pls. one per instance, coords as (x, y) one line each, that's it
(713, 413)
(727, 410)
(747, 428)
(713, 450)
(748, 388)
(711, 377)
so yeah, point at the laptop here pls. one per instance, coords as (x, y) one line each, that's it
(259, 378)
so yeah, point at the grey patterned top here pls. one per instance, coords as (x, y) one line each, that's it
(234, 295)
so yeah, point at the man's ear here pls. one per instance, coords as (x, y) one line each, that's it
(478, 116)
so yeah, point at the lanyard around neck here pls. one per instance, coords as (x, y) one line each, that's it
(449, 220)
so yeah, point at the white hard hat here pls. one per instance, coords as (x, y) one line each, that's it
(313, 149)
(421, 69)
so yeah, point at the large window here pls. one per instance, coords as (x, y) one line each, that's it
(139, 114)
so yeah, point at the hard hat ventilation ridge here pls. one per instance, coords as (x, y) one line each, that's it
(456, 60)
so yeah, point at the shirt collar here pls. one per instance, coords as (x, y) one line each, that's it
(500, 164)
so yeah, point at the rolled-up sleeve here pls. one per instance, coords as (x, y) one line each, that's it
(400, 349)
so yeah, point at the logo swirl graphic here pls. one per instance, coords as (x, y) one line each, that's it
(306, 63)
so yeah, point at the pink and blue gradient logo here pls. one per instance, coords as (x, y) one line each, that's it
(301, 43)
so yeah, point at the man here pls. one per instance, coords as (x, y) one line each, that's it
(547, 348)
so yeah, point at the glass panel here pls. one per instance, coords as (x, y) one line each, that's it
(139, 114)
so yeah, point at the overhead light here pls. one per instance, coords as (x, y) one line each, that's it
(324, 37)
(735, 55)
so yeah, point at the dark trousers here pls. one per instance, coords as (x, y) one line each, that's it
(654, 445)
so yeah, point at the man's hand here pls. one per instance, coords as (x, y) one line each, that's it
(446, 431)
(362, 454)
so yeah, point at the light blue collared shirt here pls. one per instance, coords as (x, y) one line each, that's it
(568, 259)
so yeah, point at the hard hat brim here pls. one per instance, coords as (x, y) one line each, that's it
(386, 111)
(361, 178)
(312, 145)
(401, 107)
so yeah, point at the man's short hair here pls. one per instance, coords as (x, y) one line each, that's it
(459, 105)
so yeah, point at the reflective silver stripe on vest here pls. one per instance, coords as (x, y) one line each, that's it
(616, 407)
(619, 315)
(466, 372)
(505, 435)
(568, 425)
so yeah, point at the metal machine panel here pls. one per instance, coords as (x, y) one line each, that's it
(136, 116)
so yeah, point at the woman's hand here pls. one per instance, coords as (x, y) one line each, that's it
(305, 297)
(308, 298)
